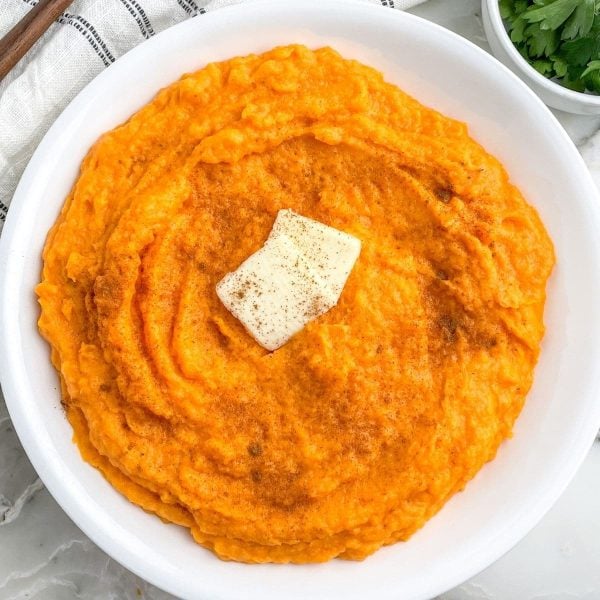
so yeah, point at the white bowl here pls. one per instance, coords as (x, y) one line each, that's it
(561, 415)
(550, 92)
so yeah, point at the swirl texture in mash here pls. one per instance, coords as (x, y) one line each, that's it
(358, 430)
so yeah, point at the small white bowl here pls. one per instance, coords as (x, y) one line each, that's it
(552, 93)
(562, 413)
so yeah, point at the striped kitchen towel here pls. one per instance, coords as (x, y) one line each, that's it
(85, 39)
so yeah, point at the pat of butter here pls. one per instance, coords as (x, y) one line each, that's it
(330, 253)
(298, 275)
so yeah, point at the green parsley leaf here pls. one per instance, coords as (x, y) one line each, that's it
(581, 21)
(573, 80)
(506, 9)
(543, 66)
(551, 16)
(517, 34)
(541, 42)
(592, 66)
(592, 81)
(577, 85)
(578, 52)
(559, 65)
(522, 48)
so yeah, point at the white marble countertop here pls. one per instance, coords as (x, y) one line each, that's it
(44, 556)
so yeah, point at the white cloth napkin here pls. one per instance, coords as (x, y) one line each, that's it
(87, 37)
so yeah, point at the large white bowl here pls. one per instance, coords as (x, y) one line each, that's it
(562, 413)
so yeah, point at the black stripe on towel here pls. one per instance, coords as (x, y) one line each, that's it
(137, 12)
(90, 34)
(188, 9)
(199, 9)
(87, 30)
(191, 8)
(3, 210)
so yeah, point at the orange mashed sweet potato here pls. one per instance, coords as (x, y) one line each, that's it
(357, 431)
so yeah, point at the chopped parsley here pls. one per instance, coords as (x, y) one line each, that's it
(558, 38)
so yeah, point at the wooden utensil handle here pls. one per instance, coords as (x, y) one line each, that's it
(27, 31)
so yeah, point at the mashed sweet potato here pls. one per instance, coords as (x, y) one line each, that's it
(359, 429)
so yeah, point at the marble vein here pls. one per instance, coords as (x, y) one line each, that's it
(83, 544)
(10, 511)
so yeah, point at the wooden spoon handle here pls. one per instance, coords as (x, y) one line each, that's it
(27, 31)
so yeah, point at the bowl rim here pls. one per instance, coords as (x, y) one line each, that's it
(552, 87)
(45, 459)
